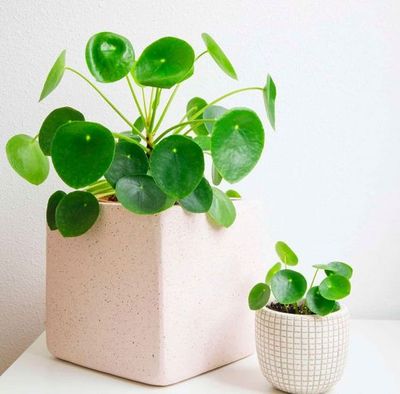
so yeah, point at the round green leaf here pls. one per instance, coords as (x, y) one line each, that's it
(53, 121)
(222, 210)
(336, 307)
(194, 105)
(213, 112)
(109, 56)
(335, 287)
(139, 124)
(76, 213)
(272, 271)
(215, 175)
(177, 165)
(219, 56)
(288, 286)
(164, 63)
(54, 77)
(269, 94)
(52, 204)
(129, 159)
(318, 304)
(286, 254)
(82, 152)
(204, 141)
(233, 194)
(27, 159)
(141, 195)
(336, 267)
(200, 199)
(236, 143)
(259, 296)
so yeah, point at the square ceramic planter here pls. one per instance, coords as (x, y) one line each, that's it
(155, 299)
(302, 354)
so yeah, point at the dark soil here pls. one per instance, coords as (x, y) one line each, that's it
(291, 308)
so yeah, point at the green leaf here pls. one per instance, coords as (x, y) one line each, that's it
(236, 143)
(27, 159)
(233, 194)
(52, 204)
(288, 286)
(318, 304)
(259, 296)
(204, 141)
(286, 254)
(200, 199)
(54, 77)
(164, 63)
(222, 210)
(269, 93)
(53, 121)
(335, 287)
(219, 56)
(177, 165)
(82, 152)
(109, 56)
(194, 105)
(139, 124)
(129, 159)
(336, 307)
(215, 175)
(272, 271)
(213, 112)
(336, 267)
(141, 195)
(76, 213)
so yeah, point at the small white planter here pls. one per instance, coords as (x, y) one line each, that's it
(156, 299)
(302, 354)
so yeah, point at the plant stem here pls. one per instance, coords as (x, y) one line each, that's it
(153, 114)
(200, 55)
(182, 124)
(126, 138)
(167, 105)
(314, 277)
(135, 99)
(111, 192)
(144, 105)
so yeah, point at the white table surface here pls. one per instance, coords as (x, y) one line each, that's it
(373, 366)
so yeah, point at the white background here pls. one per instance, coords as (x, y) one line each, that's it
(329, 180)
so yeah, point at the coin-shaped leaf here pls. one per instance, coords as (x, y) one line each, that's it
(337, 267)
(204, 141)
(236, 143)
(269, 93)
(200, 199)
(233, 194)
(82, 152)
(164, 63)
(76, 213)
(272, 271)
(222, 210)
(318, 304)
(219, 56)
(215, 175)
(288, 286)
(194, 105)
(177, 165)
(335, 287)
(54, 77)
(213, 112)
(52, 204)
(259, 296)
(109, 56)
(286, 254)
(129, 159)
(141, 195)
(52, 122)
(27, 159)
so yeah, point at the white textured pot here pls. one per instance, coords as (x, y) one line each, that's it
(156, 299)
(302, 354)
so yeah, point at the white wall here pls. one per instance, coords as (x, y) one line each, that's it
(329, 179)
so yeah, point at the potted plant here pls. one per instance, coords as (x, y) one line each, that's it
(138, 285)
(302, 337)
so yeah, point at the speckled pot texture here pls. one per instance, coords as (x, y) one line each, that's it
(302, 354)
(155, 299)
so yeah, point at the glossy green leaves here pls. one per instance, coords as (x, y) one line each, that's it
(286, 254)
(54, 120)
(236, 143)
(259, 296)
(129, 159)
(82, 152)
(219, 56)
(194, 105)
(109, 56)
(213, 112)
(52, 204)
(318, 304)
(164, 63)
(76, 213)
(222, 210)
(27, 159)
(54, 77)
(335, 287)
(269, 94)
(272, 271)
(177, 165)
(336, 267)
(288, 286)
(200, 199)
(141, 195)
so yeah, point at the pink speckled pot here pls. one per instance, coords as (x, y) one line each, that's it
(156, 299)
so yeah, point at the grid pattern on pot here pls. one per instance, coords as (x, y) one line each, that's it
(301, 354)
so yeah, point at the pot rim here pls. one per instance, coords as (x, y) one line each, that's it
(105, 203)
(341, 312)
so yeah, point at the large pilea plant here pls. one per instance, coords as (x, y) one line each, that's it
(150, 167)
(290, 290)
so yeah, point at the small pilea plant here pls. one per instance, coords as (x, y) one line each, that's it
(290, 287)
(150, 167)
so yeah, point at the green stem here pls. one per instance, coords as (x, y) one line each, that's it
(126, 138)
(167, 105)
(135, 99)
(111, 192)
(144, 105)
(181, 124)
(313, 280)
(153, 114)
(200, 55)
